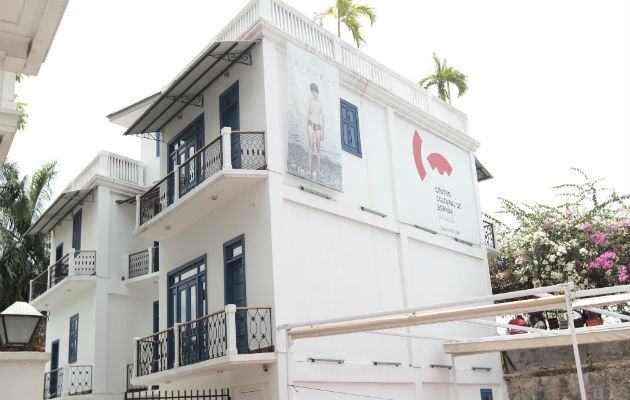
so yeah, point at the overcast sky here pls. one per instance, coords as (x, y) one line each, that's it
(549, 81)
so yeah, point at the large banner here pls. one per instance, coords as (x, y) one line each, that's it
(314, 151)
(436, 180)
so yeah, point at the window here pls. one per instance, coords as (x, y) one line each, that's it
(486, 394)
(350, 138)
(76, 230)
(74, 339)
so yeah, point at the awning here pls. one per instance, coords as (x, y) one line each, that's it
(64, 204)
(187, 88)
(482, 173)
(595, 334)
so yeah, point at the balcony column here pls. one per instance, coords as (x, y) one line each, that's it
(230, 322)
(150, 266)
(71, 264)
(138, 207)
(103, 161)
(65, 381)
(176, 339)
(226, 144)
(126, 266)
(176, 183)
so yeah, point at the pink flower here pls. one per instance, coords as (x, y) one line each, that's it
(604, 261)
(587, 226)
(599, 237)
(623, 224)
(520, 260)
(547, 225)
(612, 229)
(569, 214)
(623, 273)
(518, 216)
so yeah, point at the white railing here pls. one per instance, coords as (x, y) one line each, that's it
(112, 166)
(142, 262)
(316, 37)
(79, 262)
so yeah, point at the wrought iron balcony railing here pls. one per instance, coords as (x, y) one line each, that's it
(143, 262)
(246, 150)
(490, 240)
(199, 394)
(235, 330)
(76, 262)
(70, 380)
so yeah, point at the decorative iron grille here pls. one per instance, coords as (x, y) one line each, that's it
(203, 339)
(139, 263)
(200, 166)
(157, 198)
(59, 270)
(216, 394)
(252, 150)
(155, 352)
(259, 333)
(53, 383)
(488, 228)
(85, 262)
(80, 379)
(131, 387)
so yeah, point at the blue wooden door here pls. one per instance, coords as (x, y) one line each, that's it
(76, 230)
(229, 116)
(54, 364)
(187, 143)
(236, 287)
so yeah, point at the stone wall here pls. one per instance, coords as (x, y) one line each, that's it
(546, 374)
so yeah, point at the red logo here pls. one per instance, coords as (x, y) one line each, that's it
(436, 160)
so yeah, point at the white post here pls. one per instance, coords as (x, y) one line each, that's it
(266, 10)
(150, 250)
(176, 183)
(65, 385)
(230, 322)
(454, 376)
(126, 264)
(102, 164)
(140, 169)
(176, 338)
(48, 281)
(71, 264)
(226, 139)
(30, 290)
(138, 206)
(576, 352)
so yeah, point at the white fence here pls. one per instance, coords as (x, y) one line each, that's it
(112, 166)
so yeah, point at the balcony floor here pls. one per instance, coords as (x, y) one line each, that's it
(204, 368)
(198, 203)
(64, 291)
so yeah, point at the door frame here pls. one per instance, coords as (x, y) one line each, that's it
(222, 97)
(77, 222)
(52, 389)
(241, 239)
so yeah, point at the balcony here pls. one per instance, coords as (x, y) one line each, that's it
(142, 263)
(71, 380)
(74, 266)
(109, 166)
(203, 183)
(225, 339)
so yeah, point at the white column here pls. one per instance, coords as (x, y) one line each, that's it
(266, 9)
(138, 210)
(226, 136)
(176, 338)
(230, 321)
(71, 264)
(140, 169)
(576, 352)
(126, 264)
(65, 388)
(150, 250)
(176, 183)
(135, 357)
(103, 159)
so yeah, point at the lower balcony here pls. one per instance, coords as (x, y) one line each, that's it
(142, 267)
(71, 380)
(70, 271)
(227, 339)
(211, 177)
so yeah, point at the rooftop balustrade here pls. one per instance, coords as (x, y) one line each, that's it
(112, 166)
(235, 330)
(76, 262)
(246, 150)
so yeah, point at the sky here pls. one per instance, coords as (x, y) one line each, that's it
(549, 81)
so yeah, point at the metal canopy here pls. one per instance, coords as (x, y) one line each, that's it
(63, 205)
(188, 87)
(482, 173)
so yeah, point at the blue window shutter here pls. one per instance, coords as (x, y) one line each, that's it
(350, 136)
(157, 144)
(73, 339)
(486, 394)
(76, 230)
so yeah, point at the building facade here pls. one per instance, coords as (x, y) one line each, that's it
(298, 180)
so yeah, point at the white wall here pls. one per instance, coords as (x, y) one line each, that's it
(21, 374)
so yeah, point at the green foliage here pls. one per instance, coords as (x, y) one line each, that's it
(584, 240)
(443, 77)
(20, 105)
(348, 13)
(21, 202)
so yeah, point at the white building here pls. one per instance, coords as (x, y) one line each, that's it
(252, 236)
(27, 29)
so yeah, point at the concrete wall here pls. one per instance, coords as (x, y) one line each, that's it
(550, 373)
(21, 374)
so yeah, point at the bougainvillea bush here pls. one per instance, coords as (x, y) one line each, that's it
(584, 240)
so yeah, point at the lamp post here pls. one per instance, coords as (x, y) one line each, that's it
(18, 324)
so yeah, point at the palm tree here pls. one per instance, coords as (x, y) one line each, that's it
(21, 203)
(443, 77)
(348, 12)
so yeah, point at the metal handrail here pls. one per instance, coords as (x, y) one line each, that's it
(155, 334)
(157, 184)
(199, 151)
(254, 308)
(140, 252)
(52, 265)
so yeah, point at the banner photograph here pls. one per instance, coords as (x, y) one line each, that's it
(314, 151)
(439, 177)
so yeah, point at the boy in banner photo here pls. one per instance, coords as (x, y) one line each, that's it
(314, 141)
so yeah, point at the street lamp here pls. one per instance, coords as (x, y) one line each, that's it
(18, 324)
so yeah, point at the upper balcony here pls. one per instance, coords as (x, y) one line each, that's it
(111, 167)
(70, 271)
(201, 184)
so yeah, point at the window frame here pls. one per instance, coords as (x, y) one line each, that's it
(73, 351)
(355, 110)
